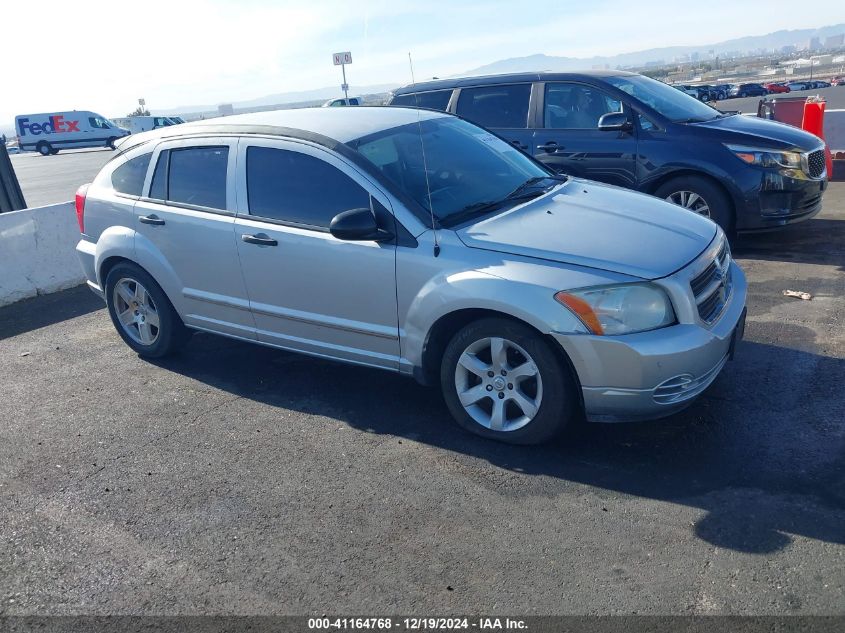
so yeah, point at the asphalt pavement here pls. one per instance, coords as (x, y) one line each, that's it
(235, 479)
(834, 98)
(53, 179)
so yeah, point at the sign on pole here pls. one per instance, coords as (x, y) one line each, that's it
(142, 102)
(341, 59)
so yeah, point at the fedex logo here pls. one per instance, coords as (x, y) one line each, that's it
(57, 124)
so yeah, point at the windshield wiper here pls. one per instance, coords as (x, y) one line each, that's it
(694, 120)
(530, 182)
(472, 211)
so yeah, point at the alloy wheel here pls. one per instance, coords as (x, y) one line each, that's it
(498, 384)
(136, 311)
(690, 200)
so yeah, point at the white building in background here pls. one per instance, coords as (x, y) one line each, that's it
(814, 44)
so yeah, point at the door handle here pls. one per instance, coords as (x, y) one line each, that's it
(262, 239)
(519, 145)
(551, 146)
(151, 219)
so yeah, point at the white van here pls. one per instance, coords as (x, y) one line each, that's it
(146, 123)
(49, 132)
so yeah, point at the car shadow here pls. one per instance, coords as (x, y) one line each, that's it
(817, 241)
(760, 452)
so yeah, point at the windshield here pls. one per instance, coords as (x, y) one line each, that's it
(675, 105)
(467, 167)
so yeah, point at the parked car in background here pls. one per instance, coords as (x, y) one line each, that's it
(702, 93)
(820, 84)
(796, 86)
(468, 265)
(838, 81)
(351, 101)
(49, 132)
(748, 90)
(625, 129)
(776, 88)
(714, 93)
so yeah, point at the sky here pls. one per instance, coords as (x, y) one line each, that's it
(103, 55)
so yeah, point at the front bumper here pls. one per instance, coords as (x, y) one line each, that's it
(654, 374)
(774, 200)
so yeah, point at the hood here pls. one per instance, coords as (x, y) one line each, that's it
(598, 226)
(769, 134)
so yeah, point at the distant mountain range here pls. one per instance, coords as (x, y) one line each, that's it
(772, 41)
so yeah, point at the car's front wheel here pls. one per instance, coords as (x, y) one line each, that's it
(142, 313)
(501, 380)
(699, 195)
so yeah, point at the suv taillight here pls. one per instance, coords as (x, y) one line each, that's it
(80, 206)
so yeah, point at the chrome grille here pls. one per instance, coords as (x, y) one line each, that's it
(816, 163)
(712, 287)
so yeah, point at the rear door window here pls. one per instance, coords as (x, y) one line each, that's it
(129, 177)
(298, 188)
(576, 106)
(194, 175)
(496, 106)
(435, 99)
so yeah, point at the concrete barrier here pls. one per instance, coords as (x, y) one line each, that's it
(37, 252)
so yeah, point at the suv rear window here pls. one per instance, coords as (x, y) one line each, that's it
(129, 177)
(496, 106)
(194, 175)
(435, 99)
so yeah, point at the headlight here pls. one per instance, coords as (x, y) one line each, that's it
(621, 309)
(766, 157)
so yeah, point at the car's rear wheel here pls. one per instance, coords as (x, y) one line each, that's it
(501, 380)
(45, 149)
(701, 196)
(142, 313)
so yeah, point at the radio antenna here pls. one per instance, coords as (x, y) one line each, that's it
(425, 163)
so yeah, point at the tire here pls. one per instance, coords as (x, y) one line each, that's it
(54, 151)
(550, 388)
(719, 206)
(168, 336)
(742, 95)
(45, 149)
(111, 142)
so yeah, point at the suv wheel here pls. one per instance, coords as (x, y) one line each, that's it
(501, 380)
(700, 196)
(142, 313)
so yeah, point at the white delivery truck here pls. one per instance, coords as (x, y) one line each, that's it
(146, 123)
(49, 132)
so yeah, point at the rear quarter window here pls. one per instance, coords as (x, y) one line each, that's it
(496, 106)
(436, 100)
(129, 177)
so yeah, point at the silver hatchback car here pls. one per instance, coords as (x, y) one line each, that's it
(416, 242)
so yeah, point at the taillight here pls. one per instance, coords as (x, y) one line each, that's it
(80, 206)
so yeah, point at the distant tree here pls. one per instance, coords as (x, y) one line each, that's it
(139, 111)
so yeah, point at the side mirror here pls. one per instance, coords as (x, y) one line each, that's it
(615, 122)
(358, 225)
